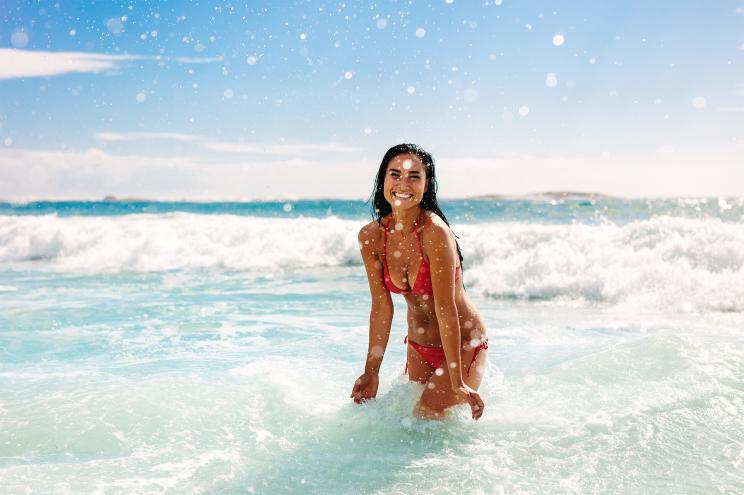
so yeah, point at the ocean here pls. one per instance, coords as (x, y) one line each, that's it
(150, 347)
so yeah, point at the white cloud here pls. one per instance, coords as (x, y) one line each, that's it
(30, 174)
(672, 174)
(731, 109)
(145, 136)
(191, 60)
(24, 63)
(30, 63)
(279, 149)
(27, 174)
(233, 147)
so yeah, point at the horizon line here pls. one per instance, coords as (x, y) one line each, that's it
(541, 195)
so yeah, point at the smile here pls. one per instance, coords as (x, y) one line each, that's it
(402, 196)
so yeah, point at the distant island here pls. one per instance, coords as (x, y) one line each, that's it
(114, 199)
(545, 196)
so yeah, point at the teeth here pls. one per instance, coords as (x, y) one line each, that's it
(403, 196)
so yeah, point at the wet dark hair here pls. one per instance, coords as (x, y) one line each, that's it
(380, 205)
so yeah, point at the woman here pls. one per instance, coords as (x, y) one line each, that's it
(409, 249)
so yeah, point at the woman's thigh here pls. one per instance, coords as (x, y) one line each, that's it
(438, 394)
(418, 369)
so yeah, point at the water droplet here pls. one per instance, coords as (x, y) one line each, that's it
(551, 80)
(439, 372)
(114, 26)
(287, 207)
(19, 38)
(381, 23)
(470, 95)
(420, 32)
(559, 39)
(141, 97)
(524, 110)
(397, 254)
(699, 102)
(228, 93)
(348, 74)
(251, 60)
(411, 89)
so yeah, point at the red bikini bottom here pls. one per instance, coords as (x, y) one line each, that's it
(435, 355)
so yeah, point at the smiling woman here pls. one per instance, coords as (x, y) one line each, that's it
(446, 335)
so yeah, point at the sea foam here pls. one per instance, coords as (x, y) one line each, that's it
(686, 264)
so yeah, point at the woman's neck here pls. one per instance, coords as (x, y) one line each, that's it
(404, 221)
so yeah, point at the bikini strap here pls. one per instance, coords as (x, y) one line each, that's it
(415, 231)
(384, 238)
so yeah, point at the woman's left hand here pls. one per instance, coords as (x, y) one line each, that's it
(473, 398)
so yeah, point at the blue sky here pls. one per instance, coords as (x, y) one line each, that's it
(220, 100)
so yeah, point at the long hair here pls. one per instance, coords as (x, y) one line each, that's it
(380, 205)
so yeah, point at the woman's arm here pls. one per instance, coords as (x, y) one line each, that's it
(440, 248)
(380, 316)
(442, 253)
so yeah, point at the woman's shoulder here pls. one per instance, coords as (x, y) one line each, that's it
(435, 234)
(370, 232)
(434, 225)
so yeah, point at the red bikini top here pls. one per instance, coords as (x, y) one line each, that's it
(423, 277)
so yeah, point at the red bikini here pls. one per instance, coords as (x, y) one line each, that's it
(423, 277)
(434, 356)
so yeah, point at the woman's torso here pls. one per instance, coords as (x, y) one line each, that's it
(403, 257)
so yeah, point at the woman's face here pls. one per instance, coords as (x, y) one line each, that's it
(405, 181)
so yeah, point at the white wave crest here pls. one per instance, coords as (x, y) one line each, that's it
(666, 262)
(175, 241)
(685, 264)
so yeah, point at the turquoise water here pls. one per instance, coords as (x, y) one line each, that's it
(211, 348)
(462, 211)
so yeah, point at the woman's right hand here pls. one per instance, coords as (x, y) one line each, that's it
(365, 388)
(473, 399)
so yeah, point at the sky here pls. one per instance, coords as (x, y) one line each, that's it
(214, 100)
